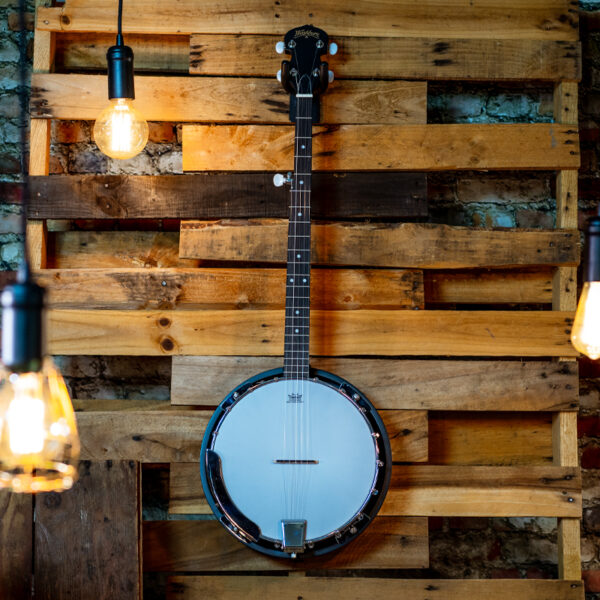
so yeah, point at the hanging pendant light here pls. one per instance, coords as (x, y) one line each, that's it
(120, 131)
(39, 444)
(585, 335)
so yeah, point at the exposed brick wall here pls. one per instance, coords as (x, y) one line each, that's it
(459, 547)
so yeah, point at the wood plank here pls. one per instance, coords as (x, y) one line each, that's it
(190, 587)
(388, 542)
(334, 333)
(404, 58)
(224, 195)
(430, 490)
(37, 242)
(16, 535)
(44, 47)
(170, 436)
(332, 289)
(39, 141)
(228, 99)
(489, 287)
(158, 53)
(480, 385)
(502, 439)
(530, 19)
(375, 147)
(413, 245)
(115, 249)
(97, 555)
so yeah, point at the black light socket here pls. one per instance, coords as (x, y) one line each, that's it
(22, 324)
(593, 253)
(120, 71)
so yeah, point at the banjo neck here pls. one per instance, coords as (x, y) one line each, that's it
(297, 297)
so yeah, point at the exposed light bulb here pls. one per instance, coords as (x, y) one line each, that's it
(120, 130)
(39, 444)
(585, 335)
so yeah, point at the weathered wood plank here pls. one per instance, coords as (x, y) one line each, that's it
(403, 384)
(531, 19)
(501, 439)
(413, 245)
(87, 539)
(169, 436)
(331, 289)
(153, 53)
(16, 536)
(489, 287)
(224, 195)
(375, 147)
(412, 58)
(189, 587)
(388, 542)
(429, 490)
(115, 249)
(228, 99)
(334, 333)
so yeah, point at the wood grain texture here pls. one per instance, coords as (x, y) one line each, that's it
(170, 436)
(334, 333)
(115, 249)
(530, 19)
(429, 490)
(162, 289)
(87, 539)
(16, 535)
(399, 384)
(489, 287)
(375, 147)
(500, 439)
(37, 244)
(412, 245)
(190, 587)
(39, 144)
(388, 542)
(224, 195)
(412, 58)
(228, 100)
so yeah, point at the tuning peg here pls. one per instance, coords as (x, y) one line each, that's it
(279, 75)
(333, 48)
(279, 47)
(279, 179)
(331, 76)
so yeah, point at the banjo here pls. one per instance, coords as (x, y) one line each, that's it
(296, 460)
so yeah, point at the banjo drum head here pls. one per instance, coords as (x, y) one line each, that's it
(298, 450)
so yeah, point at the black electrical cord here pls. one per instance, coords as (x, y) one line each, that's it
(119, 24)
(23, 122)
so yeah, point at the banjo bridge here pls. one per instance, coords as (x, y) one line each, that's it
(290, 461)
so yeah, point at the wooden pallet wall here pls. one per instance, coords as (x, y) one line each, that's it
(480, 404)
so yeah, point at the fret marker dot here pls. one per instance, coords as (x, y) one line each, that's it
(304, 280)
(299, 214)
(297, 256)
(296, 330)
(291, 280)
(301, 182)
(297, 312)
(303, 146)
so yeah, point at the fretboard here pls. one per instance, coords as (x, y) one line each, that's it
(297, 298)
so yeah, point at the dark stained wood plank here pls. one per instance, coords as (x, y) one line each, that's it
(408, 245)
(522, 19)
(412, 58)
(16, 535)
(224, 195)
(190, 587)
(333, 289)
(87, 539)
(376, 147)
(334, 333)
(228, 99)
(155, 436)
(476, 385)
(388, 542)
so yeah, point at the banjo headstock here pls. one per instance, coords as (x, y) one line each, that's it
(305, 72)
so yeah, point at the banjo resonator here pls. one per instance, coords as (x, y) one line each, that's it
(296, 461)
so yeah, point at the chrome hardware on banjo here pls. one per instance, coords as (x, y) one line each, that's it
(296, 461)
